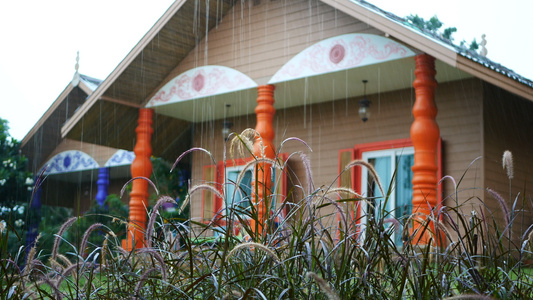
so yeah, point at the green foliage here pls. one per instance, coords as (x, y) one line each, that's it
(432, 25)
(14, 179)
(112, 216)
(51, 219)
(15, 189)
(447, 33)
(172, 184)
(474, 45)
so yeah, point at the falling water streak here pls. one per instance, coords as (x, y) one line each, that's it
(305, 103)
(206, 31)
(249, 36)
(143, 72)
(333, 102)
(285, 36)
(310, 132)
(216, 17)
(379, 89)
(321, 27)
(412, 90)
(310, 25)
(335, 17)
(195, 31)
(319, 146)
(241, 33)
(346, 90)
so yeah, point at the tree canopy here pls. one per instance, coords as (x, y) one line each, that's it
(15, 181)
(434, 25)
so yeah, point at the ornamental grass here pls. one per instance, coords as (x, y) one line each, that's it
(309, 248)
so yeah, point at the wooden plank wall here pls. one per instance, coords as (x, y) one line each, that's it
(249, 42)
(508, 126)
(332, 126)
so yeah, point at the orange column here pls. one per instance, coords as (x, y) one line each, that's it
(425, 135)
(141, 166)
(265, 117)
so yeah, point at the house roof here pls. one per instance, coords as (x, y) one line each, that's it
(471, 55)
(44, 136)
(113, 107)
(110, 113)
(440, 48)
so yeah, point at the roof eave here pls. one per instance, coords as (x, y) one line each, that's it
(47, 113)
(495, 78)
(70, 124)
(399, 31)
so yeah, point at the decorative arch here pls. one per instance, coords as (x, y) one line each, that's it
(120, 158)
(70, 161)
(201, 82)
(340, 53)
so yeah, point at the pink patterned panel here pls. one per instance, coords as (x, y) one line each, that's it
(201, 82)
(341, 53)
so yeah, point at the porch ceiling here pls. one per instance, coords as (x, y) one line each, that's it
(113, 125)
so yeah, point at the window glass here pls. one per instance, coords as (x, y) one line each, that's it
(238, 197)
(399, 204)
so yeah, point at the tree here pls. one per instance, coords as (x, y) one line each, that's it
(15, 181)
(15, 190)
(434, 25)
(474, 45)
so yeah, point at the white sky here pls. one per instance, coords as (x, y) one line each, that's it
(39, 40)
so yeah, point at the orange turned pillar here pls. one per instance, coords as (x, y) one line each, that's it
(425, 135)
(262, 184)
(141, 166)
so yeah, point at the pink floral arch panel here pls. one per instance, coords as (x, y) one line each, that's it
(201, 82)
(340, 53)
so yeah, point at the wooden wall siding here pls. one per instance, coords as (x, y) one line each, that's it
(171, 136)
(508, 126)
(332, 126)
(260, 39)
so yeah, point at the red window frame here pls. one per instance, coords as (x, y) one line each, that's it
(218, 202)
(359, 149)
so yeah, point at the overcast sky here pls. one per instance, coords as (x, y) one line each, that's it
(39, 40)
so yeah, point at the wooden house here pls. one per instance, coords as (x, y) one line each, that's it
(432, 104)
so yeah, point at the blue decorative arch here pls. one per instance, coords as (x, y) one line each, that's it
(70, 161)
(120, 158)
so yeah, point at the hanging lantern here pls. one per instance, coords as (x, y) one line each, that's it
(364, 105)
(226, 125)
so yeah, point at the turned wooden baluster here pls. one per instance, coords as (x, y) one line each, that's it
(425, 135)
(141, 166)
(262, 184)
